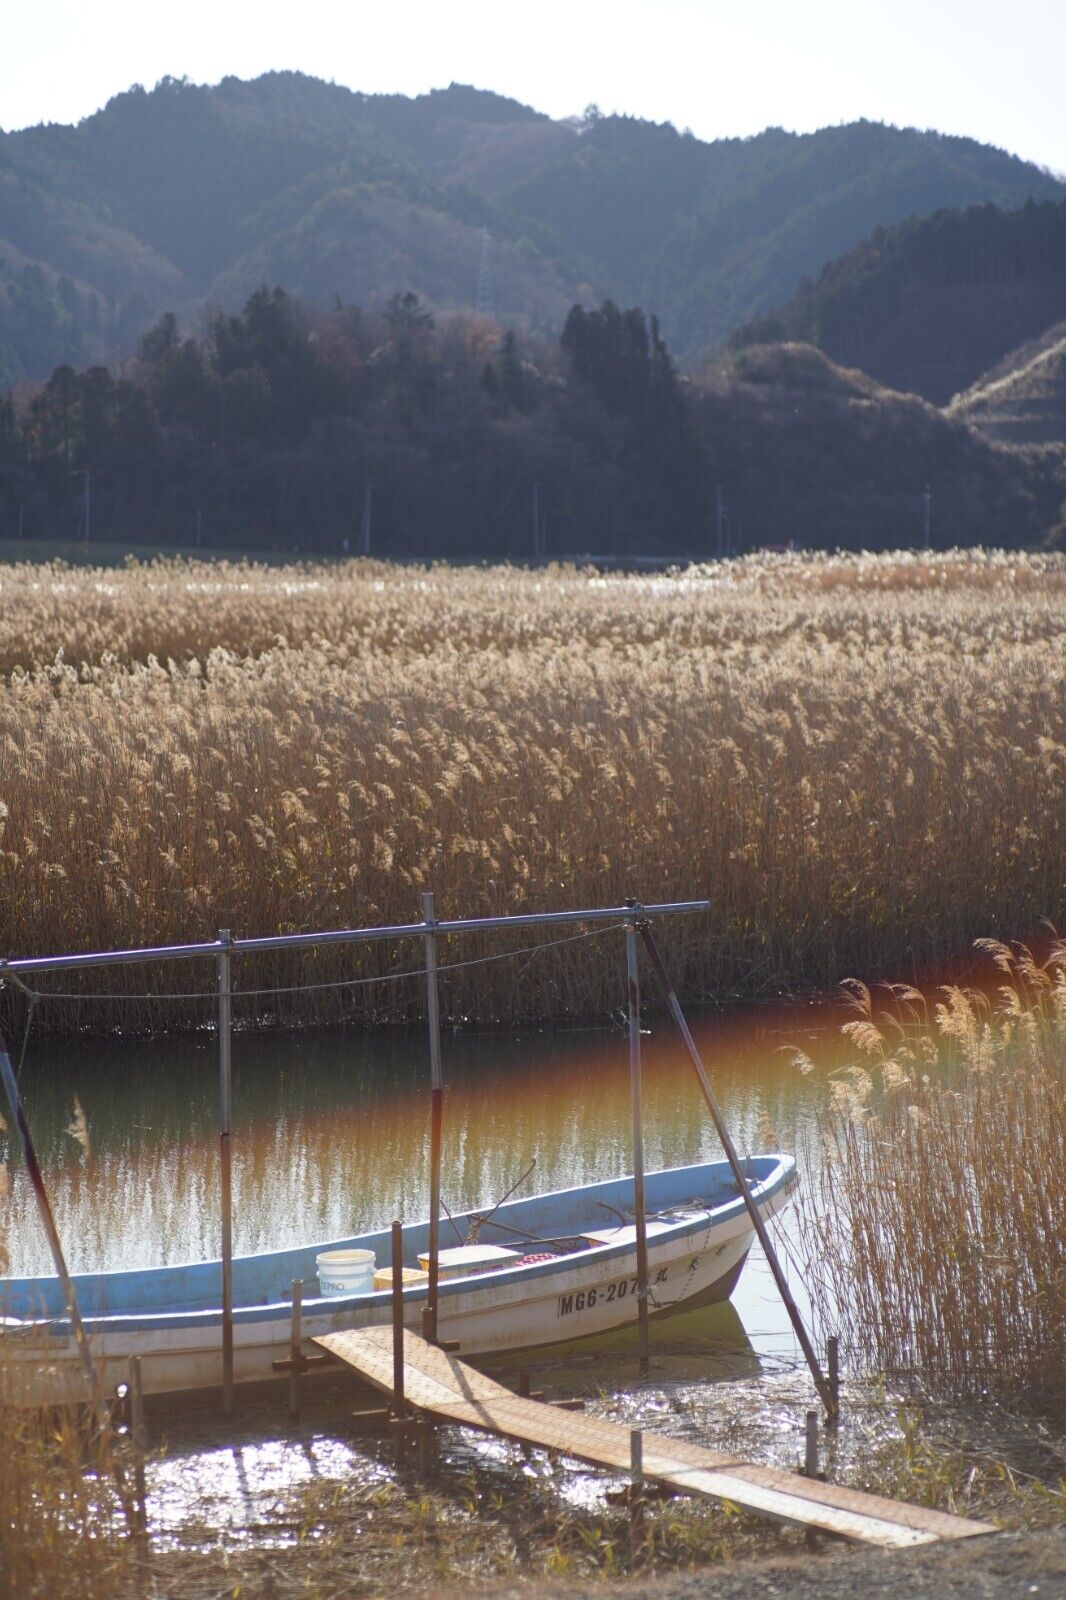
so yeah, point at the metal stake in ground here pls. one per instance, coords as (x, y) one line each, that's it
(636, 1489)
(399, 1402)
(429, 943)
(29, 1156)
(821, 1382)
(225, 1113)
(637, 1118)
(137, 1441)
(296, 1339)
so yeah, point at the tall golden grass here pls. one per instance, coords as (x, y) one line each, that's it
(861, 761)
(64, 1521)
(942, 1198)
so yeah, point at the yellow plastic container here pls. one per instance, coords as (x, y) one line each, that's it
(411, 1275)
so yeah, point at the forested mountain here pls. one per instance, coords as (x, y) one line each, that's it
(280, 426)
(187, 196)
(933, 304)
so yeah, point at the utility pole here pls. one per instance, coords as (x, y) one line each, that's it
(86, 508)
(927, 514)
(364, 525)
(538, 527)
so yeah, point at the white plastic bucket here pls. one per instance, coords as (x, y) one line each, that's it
(345, 1271)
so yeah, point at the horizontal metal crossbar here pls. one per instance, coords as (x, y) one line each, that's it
(306, 941)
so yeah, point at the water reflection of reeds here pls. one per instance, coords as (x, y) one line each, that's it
(331, 1131)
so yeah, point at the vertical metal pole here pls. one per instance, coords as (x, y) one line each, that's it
(810, 1466)
(429, 942)
(637, 1116)
(399, 1402)
(810, 1454)
(821, 1383)
(636, 1488)
(29, 1156)
(137, 1441)
(296, 1347)
(832, 1356)
(225, 1115)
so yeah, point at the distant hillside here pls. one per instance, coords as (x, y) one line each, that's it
(708, 235)
(185, 196)
(1023, 399)
(825, 456)
(931, 305)
(270, 430)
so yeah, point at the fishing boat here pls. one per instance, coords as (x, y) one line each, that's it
(530, 1273)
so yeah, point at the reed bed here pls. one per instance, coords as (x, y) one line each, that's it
(861, 761)
(941, 1201)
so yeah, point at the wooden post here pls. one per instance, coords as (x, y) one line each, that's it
(225, 1113)
(636, 1489)
(429, 943)
(820, 1381)
(137, 1441)
(44, 1208)
(637, 1119)
(832, 1355)
(810, 1457)
(295, 1351)
(810, 1465)
(399, 1403)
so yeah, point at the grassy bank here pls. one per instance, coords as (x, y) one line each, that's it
(861, 761)
(478, 1520)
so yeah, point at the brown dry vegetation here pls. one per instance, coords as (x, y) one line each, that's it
(65, 1514)
(942, 1198)
(861, 761)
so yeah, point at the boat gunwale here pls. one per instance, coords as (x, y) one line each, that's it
(782, 1175)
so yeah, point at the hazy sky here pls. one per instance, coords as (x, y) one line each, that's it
(994, 71)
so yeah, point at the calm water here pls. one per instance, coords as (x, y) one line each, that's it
(330, 1131)
(331, 1136)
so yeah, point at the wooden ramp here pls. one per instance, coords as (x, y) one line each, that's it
(447, 1389)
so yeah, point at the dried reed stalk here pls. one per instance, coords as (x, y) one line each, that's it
(861, 761)
(941, 1205)
(63, 1526)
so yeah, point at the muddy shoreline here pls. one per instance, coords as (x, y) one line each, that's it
(1003, 1566)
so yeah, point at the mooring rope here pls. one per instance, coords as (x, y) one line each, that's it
(39, 995)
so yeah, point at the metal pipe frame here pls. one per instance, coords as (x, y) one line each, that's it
(305, 941)
(44, 1207)
(222, 950)
(429, 945)
(637, 1135)
(225, 1156)
(821, 1382)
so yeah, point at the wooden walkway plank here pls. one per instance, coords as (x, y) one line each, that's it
(450, 1390)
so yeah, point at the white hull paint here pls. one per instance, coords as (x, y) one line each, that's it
(582, 1296)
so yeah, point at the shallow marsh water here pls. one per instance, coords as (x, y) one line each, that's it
(331, 1137)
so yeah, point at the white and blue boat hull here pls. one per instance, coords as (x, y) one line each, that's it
(699, 1234)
